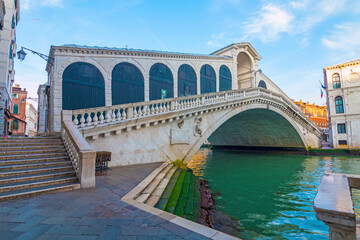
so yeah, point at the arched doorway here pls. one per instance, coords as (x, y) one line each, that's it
(244, 71)
(83, 86)
(225, 81)
(186, 81)
(161, 82)
(127, 84)
(262, 84)
(207, 79)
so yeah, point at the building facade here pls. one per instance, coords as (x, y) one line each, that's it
(343, 97)
(9, 19)
(317, 114)
(31, 120)
(84, 77)
(18, 111)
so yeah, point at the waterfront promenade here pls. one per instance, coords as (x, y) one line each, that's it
(89, 213)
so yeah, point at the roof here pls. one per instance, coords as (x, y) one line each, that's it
(252, 50)
(357, 60)
(141, 50)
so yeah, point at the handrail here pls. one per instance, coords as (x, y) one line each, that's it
(91, 117)
(80, 152)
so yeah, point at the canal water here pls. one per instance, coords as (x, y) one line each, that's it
(271, 195)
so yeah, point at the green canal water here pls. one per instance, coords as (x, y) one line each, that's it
(270, 194)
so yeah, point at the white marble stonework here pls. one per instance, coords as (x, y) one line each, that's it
(350, 92)
(170, 129)
(241, 58)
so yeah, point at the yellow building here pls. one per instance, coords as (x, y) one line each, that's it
(317, 114)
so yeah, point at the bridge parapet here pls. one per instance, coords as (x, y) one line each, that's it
(101, 116)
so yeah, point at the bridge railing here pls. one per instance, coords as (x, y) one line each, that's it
(91, 117)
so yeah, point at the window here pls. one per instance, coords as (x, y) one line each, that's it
(262, 84)
(342, 142)
(15, 125)
(15, 95)
(13, 22)
(11, 52)
(16, 109)
(336, 81)
(339, 105)
(341, 128)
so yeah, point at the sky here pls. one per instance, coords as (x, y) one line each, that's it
(296, 39)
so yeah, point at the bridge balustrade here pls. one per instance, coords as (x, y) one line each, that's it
(91, 117)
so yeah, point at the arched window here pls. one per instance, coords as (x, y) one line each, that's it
(127, 84)
(336, 81)
(207, 79)
(339, 105)
(83, 86)
(161, 82)
(225, 81)
(262, 84)
(15, 108)
(186, 81)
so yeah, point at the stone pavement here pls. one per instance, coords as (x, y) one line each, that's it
(89, 213)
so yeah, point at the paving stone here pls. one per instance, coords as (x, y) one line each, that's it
(61, 220)
(111, 232)
(9, 234)
(30, 223)
(77, 237)
(49, 237)
(95, 229)
(67, 229)
(34, 232)
(89, 213)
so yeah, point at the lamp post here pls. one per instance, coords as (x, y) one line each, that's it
(22, 54)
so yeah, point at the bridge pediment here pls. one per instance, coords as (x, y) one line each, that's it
(235, 48)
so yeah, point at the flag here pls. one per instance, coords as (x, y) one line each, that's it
(322, 94)
(322, 86)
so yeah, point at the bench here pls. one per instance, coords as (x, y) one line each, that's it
(102, 159)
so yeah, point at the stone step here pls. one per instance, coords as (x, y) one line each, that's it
(168, 190)
(34, 165)
(19, 139)
(47, 189)
(156, 194)
(14, 144)
(36, 171)
(32, 156)
(145, 194)
(33, 160)
(36, 177)
(25, 147)
(37, 184)
(29, 152)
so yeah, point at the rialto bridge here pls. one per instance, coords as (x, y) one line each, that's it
(147, 106)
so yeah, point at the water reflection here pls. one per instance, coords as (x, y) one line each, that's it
(271, 195)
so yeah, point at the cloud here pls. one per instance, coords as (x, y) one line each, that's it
(269, 23)
(345, 36)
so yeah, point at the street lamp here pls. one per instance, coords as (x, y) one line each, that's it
(22, 54)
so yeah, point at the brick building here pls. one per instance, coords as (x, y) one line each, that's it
(18, 111)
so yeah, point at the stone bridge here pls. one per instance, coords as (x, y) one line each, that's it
(176, 128)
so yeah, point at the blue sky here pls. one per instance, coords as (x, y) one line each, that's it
(296, 39)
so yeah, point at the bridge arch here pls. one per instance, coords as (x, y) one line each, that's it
(235, 114)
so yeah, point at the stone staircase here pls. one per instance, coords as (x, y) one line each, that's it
(171, 189)
(32, 166)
